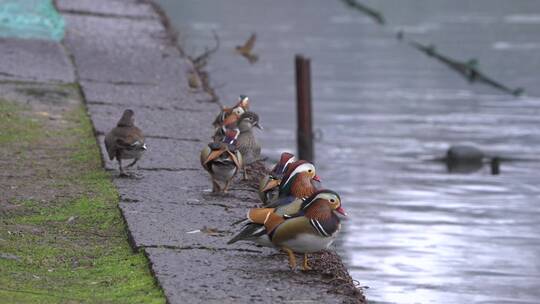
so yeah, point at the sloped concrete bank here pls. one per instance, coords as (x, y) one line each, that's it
(125, 57)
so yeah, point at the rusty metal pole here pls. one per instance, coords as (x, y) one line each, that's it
(304, 135)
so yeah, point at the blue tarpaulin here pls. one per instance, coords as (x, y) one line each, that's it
(30, 19)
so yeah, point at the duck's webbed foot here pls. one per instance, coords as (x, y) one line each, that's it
(305, 266)
(292, 258)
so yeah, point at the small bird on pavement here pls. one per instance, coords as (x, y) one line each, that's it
(247, 142)
(125, 141)
(268, 186)
(313, 228)
(222, 160)
(246, 50)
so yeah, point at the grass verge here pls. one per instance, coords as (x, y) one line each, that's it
(62, 238)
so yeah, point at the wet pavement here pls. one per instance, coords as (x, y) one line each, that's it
(383, 111)
(121, 56)
(34, 60)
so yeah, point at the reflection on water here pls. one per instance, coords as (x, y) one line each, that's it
(416, 234)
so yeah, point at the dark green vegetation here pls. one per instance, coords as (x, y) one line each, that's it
(62, 238)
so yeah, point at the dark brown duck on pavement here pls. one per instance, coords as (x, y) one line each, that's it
(125, 141)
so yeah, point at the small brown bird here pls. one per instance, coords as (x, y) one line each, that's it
(125, 141)
(246, 49)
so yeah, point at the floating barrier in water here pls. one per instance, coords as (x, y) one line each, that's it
(376, 15)
(469, 70)
(37, 19)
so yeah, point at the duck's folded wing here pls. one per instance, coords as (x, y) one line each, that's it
(250, 231)
(110, 146)
(259, 215)
(266, 217)
(290, 229)
(326, 227)
(281, 202)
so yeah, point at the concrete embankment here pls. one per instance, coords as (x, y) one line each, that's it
(124, 57)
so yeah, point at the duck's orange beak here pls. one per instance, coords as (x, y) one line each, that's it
(213, 155)
(271, 184)
(341, 211)
(317, 178)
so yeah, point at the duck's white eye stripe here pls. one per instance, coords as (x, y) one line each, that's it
(292, 159)
(301, 168)
(324, 196)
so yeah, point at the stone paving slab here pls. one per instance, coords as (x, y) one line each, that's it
(169, 97)
(190, 223)
(37, 93)
(187, 186)
(103, 32)
(156, 123)
(123, 50)
(164, 186)
(34, 60)
(126, 8)
(226, 276)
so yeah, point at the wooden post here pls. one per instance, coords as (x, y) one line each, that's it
(304, 135)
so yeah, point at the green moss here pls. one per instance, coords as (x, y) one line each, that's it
(87, 151)
(14, 125)
(70, 250)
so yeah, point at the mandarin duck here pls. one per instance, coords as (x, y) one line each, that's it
(312, 228)
(300, 180)
(247, 142)
(246, 50)
(270, 182)
(302, 174)
(230, 115)
(125, 141)
(222, 160)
